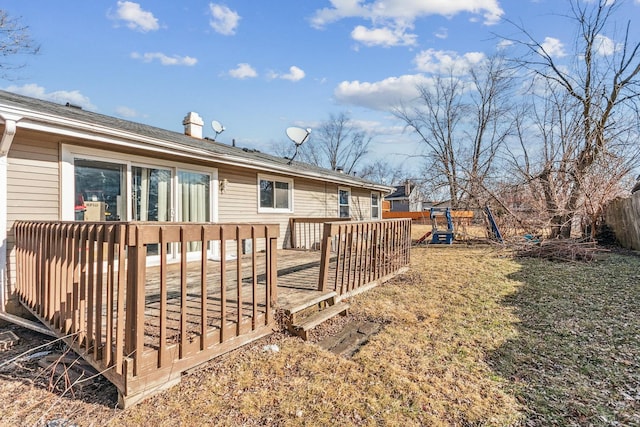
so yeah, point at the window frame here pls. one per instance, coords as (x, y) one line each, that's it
(348, 191)
(71, 152)
(274, 179)
(379, 203)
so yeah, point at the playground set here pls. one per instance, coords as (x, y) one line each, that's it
(441, 235)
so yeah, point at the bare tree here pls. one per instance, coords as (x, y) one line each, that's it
(337, 143)
(462, 122)
(601, 88)
(382, 172)
(545, 131)
(14, 40)
(435, 120)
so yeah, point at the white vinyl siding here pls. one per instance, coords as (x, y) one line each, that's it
(33, 180)
(33, 184)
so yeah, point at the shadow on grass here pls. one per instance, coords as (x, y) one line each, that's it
(576, 359)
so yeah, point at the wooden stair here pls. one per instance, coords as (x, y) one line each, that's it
(311, 313)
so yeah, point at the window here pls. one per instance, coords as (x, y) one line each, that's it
(375, 206)
(344, 194)
(276, 194)
(100, 190)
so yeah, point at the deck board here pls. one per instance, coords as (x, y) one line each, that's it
(297, 281)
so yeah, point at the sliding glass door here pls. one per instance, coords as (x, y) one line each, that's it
(194, 200)
(151, 194)
(194, 196)
(150, 197)
(98, 185)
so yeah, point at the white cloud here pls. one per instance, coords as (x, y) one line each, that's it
(442, 33)
(504, 44)
(60, 96)
(223, 20)
(604, 46)
(165, 59)
(553, 47)
(243, 71)
(382, 95)
(405, 11)
(295, 74)
(127, 112)
(136, 18)
(445, 62)
(385, 36)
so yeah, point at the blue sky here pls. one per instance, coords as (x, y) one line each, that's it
(261, 66)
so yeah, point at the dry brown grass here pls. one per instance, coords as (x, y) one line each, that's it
(466, 233)
(469, 337)
(426, 366)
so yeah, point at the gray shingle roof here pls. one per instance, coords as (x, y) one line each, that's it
(400, 192)
(214, 149)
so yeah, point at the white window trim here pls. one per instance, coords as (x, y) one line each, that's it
(348, 190)
(275, 178)
(379, 205)
(71, 152)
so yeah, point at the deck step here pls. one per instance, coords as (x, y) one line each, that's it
(315, 319)
(328, 296)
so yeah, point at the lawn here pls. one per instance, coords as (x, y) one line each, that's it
(470, 336)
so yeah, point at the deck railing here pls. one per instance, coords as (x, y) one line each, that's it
(362, 253)
(307, 232)
(143, 325)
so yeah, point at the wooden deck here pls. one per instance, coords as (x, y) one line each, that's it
(143, 325)
(298, 273)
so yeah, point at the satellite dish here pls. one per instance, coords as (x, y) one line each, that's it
(217, 128)
(298, 136)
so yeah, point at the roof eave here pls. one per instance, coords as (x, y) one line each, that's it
(39, 121)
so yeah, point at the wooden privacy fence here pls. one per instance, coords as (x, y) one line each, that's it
(458, 216)
(623, 216)
(307, 232)
(362, 253)
(141, 325)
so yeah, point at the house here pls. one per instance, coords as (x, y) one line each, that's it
(404, 198)
(59, 162)
(151, 251)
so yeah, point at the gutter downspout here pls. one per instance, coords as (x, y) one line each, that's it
(10, 125)
(5, 145)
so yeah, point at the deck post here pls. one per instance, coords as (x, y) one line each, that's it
(292, 232)
(326, 254)
(273, 282)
